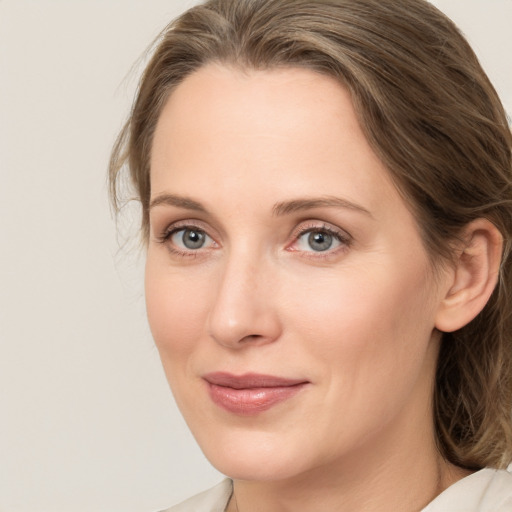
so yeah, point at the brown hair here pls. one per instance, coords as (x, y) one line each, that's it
(431, 115)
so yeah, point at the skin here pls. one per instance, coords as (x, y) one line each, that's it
(357, 321)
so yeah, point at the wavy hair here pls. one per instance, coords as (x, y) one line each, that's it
(431, 115)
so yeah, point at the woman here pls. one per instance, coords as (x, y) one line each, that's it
(327, 207)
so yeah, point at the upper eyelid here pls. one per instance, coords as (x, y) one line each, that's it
(177, 229)
(328, 229)
(320, 225)
(184, 224)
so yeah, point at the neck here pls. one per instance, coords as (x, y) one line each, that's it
(372, 485)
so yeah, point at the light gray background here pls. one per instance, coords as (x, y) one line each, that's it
(86, 419)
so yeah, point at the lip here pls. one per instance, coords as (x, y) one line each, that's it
(250, 393)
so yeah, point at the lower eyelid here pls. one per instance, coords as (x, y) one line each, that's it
(338, 242)
(208, 240)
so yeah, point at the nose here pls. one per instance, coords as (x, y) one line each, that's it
(244, 311)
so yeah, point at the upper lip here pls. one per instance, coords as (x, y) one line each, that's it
(250, 380)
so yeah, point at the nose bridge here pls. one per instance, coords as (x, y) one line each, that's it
(243, 310)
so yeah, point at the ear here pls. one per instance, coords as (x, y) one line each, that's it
(473, 277)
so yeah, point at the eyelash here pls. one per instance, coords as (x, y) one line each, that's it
(175, 228)
(342, 237)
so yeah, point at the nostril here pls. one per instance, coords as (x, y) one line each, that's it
(252, 337)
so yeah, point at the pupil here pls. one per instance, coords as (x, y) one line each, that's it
(193, 239)
(319, 241)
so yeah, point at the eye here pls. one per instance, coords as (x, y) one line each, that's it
(311, 239)
(317, 240)
(190, 239)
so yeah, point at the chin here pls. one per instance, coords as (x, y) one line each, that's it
(255, 456)
(256, 469)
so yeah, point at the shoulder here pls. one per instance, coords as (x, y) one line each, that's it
(212, 500)
(487, 490)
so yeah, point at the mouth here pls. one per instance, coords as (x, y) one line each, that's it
(250, 394)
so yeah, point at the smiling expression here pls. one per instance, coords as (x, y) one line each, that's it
(280, 249)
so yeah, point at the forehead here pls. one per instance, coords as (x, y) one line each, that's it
(271, 131)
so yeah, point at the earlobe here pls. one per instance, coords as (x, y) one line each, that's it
(474, 276)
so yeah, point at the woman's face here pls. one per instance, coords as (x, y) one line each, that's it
(288, 290)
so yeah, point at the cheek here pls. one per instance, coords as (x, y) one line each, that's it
(367, 322)
(367, 335)
(176, 308)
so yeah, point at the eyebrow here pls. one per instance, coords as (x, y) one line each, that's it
(179, 201)
(297, 205)
(279, 209)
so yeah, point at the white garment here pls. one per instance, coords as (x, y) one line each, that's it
(487, 490)
(213, 500)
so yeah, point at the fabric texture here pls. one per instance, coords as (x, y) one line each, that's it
(487, 490)
(213, 500)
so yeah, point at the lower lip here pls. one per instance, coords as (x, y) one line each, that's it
(251, 401)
